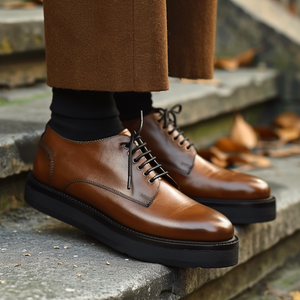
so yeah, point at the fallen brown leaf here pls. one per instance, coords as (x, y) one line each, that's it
(18, 265)
(246, 58)
(243, 133)
(258, 161)
(236, 160)
(19, 4)
(227, 144)
(229, 64)
(265, 133)
(214, 81)
(287, 134)
(293, 8)
(219, 154)
(287, 120)
(295, 150)
(205, 153)
(219, 162)
(295, 295)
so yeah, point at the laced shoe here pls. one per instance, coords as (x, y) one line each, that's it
(242, 198)
(116, 191)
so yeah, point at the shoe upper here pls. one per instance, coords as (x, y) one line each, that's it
(195, 176)
(96, 173)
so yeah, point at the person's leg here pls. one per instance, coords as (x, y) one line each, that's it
(84, 115)
(130, 104)
(191, 40)
(108, 183)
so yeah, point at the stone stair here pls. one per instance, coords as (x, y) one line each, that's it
(244, 24)
(49, 273)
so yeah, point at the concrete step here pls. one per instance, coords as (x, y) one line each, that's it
(51, 273)
(24, 112)
(22, 47)
(21, 30)
(244, 24)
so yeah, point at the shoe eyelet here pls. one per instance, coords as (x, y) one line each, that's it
(180, 144)
(157, 122)
(173, 139)
(151, 182)
(125, 147)
(134, 161)
(187, 148)
(138, 167)
(145, 174)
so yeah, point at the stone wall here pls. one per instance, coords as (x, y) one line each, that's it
(243, 24)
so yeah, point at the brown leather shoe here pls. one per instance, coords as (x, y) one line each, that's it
(132, 207)
(242, 198)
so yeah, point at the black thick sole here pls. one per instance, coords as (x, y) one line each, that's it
(144, 247)
(243, 211)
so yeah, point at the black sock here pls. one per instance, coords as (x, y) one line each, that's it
(130, 104)
(84, 115)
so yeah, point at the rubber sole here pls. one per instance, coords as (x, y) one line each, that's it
(243, 211)
(175, 253)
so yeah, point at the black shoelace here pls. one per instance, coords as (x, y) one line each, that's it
(136, 144)
(169, 117)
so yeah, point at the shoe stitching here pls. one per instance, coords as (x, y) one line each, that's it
(150, 200)
(49, 153)
(231, 241)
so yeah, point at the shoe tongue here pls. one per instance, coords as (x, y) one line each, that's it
(125, 132)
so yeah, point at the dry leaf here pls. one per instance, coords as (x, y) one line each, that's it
(243, 133)
(66, 247)
(27, 254)
(2, 281)
(246, 58)
(107, 263)
(229, 64)
(38, 231)
(257, 160)
(218, 153)
(18, 265)
(288, 134)
(60, 263)
(295, 295)
(293, 8)
(242, 60)
(228, 145)
(79, 275)
(287, 120)
(19, 4)
(236, 160)
(219, 162)
(75, 266)
(283, 152)
(214, 81)
(265, 133)
(56, 247)
(205, 153)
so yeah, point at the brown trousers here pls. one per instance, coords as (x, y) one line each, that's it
(128, 45)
